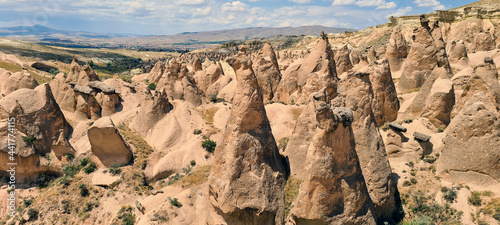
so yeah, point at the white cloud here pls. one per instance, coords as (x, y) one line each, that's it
(300, 1)
(235, 6)
(401, 12)
(343, 2)
(388, 5)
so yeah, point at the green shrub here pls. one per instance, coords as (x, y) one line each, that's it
(197, 132)
(408, 121)
(29, 140)
(69, 157)
(27, 202)
(84, 162)
(70, 170)
(282, 143)
(475, 198)
(213, 98)
(496, 216)
(65, 180)
(406, 183)
(33, 213)
(152, 86)
(115, 169)
(192, 163)
(175, 202)
(43, 180)
(91, 167)
(84, 191)
(413, 180)
(126, 216)
(450, 195)
(209, 145)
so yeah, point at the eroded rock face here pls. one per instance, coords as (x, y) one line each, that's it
(152, 110)
(107, 143)
(458, 52)
(81, 75)
(342, 60)
(308, 75)
(12, 82)
(484, 41)
(39, 119)
(333, 191)
(247, 157)
(436, 98)
(420, 62)
(397, 50)
(475, 125)
(206, 78)
(385, 104)
(267, 71)
(356, 93)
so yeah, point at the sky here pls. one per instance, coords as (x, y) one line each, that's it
(164, 17)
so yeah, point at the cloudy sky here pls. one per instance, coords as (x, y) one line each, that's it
(176, 16)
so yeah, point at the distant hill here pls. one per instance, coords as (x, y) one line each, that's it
(186, 40)
(488, 4)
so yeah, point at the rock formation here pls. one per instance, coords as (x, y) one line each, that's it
(356, 93)
(267, 71)
(333, 191)
(247, 157)
(397, 50)
(475, 125)
(458, 52)
(12, 82)
(385, 104)
(107, 143)
(152, 110)
(342, 60)
(421, 60)
(308, 75)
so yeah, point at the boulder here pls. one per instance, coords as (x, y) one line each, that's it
(99, 178)
(458, 52)
(484, 41)
(397, 127)
(107, 143)
(247, 157)
(421, 137)
(11, 82)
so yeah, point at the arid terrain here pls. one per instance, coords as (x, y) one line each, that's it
(394, 124)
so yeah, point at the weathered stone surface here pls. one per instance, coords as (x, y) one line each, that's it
(385, 104)
(397, 50)
(101, 87)
(397, 127)
(14, 81)
(458, 52)
(356, 93)
(421, 137)
(99, 178)
(333, 191)
(308, 75)
(421, 60)
(484, 41)
(107, 143)
(267, 71)
(81, 75)
(342, 60)
(247, 157)
(152, 110)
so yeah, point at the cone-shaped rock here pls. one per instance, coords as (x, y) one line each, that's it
(247, 180)
(267, 71)
(333, 190)
(397, 50)
(385, 100)
(342, 60)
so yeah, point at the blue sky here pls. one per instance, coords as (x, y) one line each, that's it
(158, 17)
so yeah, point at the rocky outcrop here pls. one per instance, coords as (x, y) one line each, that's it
(484, 41)
(308, 75)
(197, 64)
(420, 62)
(436, 98)
(37, 120)
(385, 104)
(247, 157)
(11, 82)
(81, 75)
(206, 78)
(356, 93)
(152, 110)
(333, 191)
(397, 50)
(107, 143)
(475, 125)
(458, 52)
(342, 60)
(267, 71)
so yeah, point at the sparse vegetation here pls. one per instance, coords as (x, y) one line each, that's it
(69, 157)
(197, 132)
(423, 209)
(209, 145)
(282, 143)
(27, 202)
(29, 140)
(475, 198)
(115, 169)
(70, 170)
(413, 180)
(408, 121)
(450, 194)
(84, 191)
(152, 86)
(125, 216)
(291, 192)
(175, 202)
(33, 214)
(198, 176)
(54, 71)
(91, 167)
(192, 163)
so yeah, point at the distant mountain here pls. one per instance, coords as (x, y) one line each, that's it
(186, 40)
